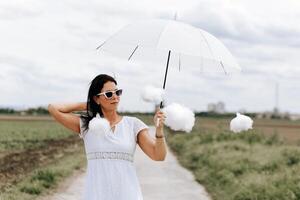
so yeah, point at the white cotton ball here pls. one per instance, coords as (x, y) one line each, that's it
(99, 125)
(179, 118)
(152, 94)
(240, 123)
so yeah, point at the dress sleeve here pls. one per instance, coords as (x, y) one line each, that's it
(82, 133)
(138, 126)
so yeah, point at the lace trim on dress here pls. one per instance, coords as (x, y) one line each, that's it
(110, 155)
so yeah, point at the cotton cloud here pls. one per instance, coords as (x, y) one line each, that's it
(153, 94)
(240, 123)
(179, 117)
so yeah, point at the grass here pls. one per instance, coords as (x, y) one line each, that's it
(286, 129)
(261, 164)
(20, 135)
(54, 166)
(44, 180)
(244, 166)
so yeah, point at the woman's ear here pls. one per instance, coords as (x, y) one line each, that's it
(95, 98)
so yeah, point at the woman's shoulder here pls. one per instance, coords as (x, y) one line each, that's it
(131, 118)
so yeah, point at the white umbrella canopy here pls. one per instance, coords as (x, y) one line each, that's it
(176, 42)
(189, 46)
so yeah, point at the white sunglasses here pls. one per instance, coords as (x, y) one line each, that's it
(109, 94)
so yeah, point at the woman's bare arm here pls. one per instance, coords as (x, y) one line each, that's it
(154, 148)
(63, 114)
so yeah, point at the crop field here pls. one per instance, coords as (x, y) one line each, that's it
(263, 163)
(30, 150)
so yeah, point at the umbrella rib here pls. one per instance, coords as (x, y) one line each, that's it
(208, 46)
(133, 52)
(100, 45)
(160, 34)
(179, 64)
(213, 53)
(223, 67)
(110, 38)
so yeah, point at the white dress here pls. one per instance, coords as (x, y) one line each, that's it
(111, 174)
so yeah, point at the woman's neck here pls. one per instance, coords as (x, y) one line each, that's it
(111, 116)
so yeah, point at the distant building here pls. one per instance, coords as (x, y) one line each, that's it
(276, 111)
(211, 107)
(220, 107)
(242, 110)
(273, 115)
(216, 107)
(294, 117)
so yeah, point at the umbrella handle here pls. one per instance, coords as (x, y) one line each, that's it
(161, 105)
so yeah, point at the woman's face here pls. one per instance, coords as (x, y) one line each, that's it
(108, 104)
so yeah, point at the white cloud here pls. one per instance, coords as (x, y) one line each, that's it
(48, 52)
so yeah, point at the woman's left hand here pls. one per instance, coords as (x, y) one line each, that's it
(159, 115)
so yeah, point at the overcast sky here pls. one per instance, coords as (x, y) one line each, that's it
(47, 52)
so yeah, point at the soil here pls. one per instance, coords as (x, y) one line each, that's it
(15, 166)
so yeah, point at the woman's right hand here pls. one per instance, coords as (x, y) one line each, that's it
(159, 119)
(63, 114)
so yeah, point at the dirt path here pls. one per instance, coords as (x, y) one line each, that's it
(159, 180)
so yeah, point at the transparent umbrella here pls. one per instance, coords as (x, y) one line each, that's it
(185, 44)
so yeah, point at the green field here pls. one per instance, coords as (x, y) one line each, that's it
(20, 134)
(260, 164)
(36, 153)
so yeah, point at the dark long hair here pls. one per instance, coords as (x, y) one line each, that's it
(93, 108)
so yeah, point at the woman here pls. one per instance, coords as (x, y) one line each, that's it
(111, 174)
